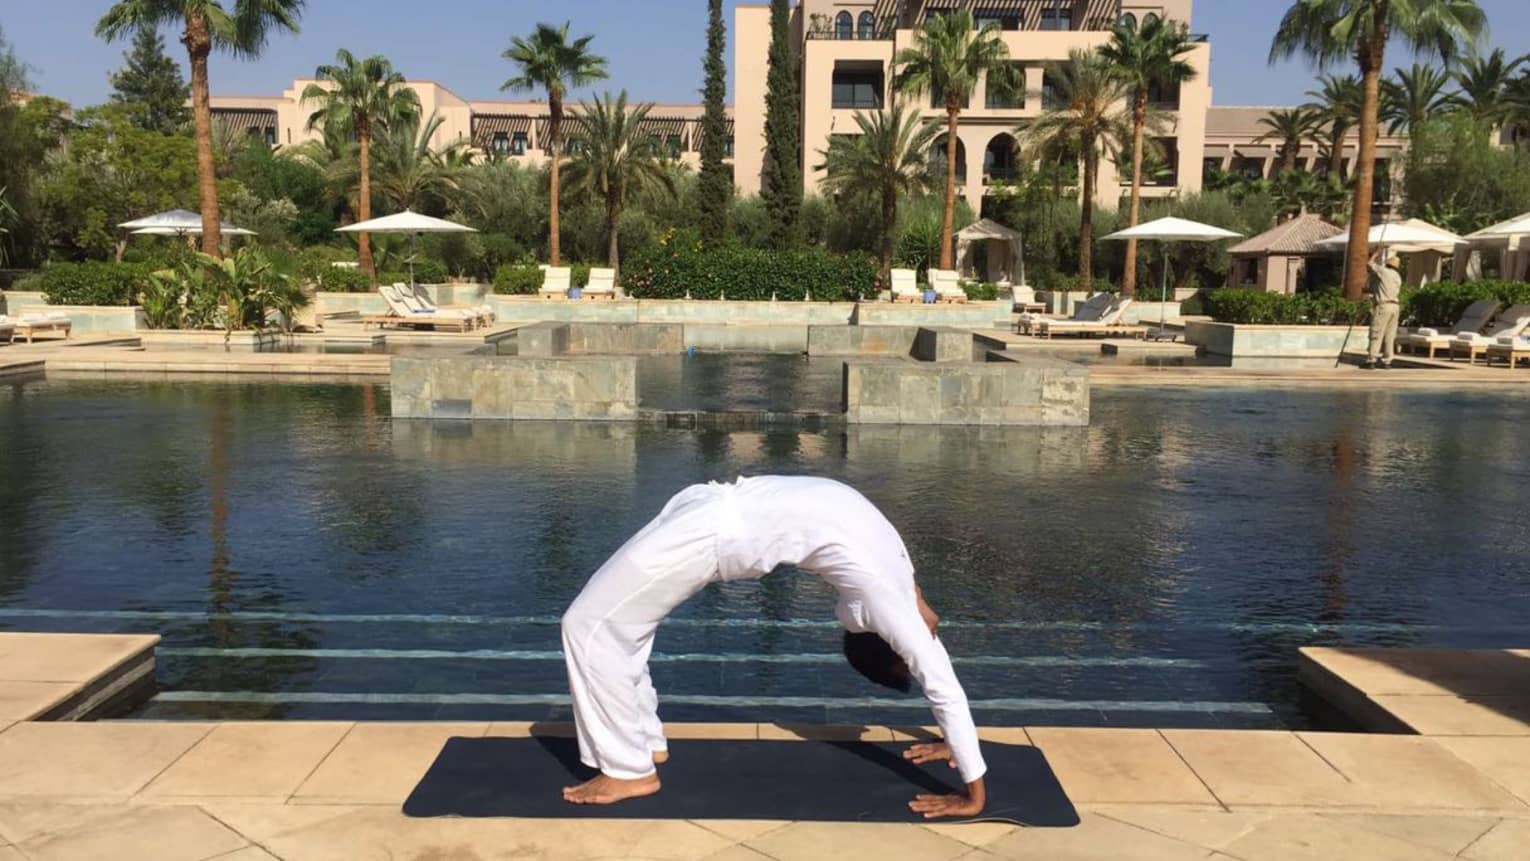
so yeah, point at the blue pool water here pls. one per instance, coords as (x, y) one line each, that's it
(304, 556)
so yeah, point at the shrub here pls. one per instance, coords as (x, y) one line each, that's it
(673, 270)
(313, 261)
(1327, 308)
(428, 271)
(92, 283)
(335, 279)
(1059, 282)
(1195, 306)
(981, 291)
(1443, 303)
(518, 279)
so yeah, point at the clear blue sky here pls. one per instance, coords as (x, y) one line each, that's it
(654, 45)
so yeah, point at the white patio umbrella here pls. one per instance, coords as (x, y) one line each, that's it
(1413, 233)
(1172, 230)
(409, 222)
(225, 229)
(176, 221)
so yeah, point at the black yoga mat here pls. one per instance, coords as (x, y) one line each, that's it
(822, 781)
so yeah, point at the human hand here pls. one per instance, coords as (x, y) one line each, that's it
(920, 754)
(959, 804)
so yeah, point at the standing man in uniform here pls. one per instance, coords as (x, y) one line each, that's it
(1386, 289)
(711, 533)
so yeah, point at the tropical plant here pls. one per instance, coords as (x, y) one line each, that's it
(548, 61)
(1412, 96)
(412, 175)
(361, 97)
(781, 174)
(888, 160)
(1149, 56)
(248, 286)
(1336, 106)
(1333, 31)
(715, 193)
(948, 57)
(618, 158)
(1290, 128)
(1296, 192)
(1089, 119)
(208, 26)
(1456, 176)
(1484, 82)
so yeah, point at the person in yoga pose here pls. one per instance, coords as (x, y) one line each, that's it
(720, 532)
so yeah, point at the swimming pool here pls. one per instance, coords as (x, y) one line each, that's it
(304, 556)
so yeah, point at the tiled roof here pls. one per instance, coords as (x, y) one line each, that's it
(1295, 238)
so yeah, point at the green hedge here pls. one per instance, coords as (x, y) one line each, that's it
(519, 279)
(333, 279)
(1441, 304)
(91, 283)
(981, 291)
(1328, 308)
(734, 272)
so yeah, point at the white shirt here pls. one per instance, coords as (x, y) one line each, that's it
(829, 529)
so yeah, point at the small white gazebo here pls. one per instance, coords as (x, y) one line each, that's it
(409, 222)
(1511, 239)
(1006, 252)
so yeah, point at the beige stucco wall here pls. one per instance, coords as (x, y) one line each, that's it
(751, 52)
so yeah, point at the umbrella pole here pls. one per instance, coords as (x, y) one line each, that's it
(412, 238)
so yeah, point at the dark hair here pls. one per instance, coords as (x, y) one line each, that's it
(870, 655)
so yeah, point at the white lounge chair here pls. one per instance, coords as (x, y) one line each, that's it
(555, 282)
(1088, 311)
(602, 284)
(947, 285)
(29, 325)
(905, 286)
(1511, 349)
(1430, 341)
(1108, 323)
(404, 309)
(1510, 324)
(422, 299)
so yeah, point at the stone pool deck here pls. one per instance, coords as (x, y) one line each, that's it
(1434, 692)
(256, 791)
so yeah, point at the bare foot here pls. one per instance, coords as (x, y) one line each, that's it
(660, 757)
(609, 790)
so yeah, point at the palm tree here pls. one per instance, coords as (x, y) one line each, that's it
(1333, 31)
(1146, 57)
(362, 97)
(550, 62)
(1090, 118)
(1517, 104)
(618, 157)
(412, 175)
(1484, 81)
(1337, 106)
(887, 160)
(1291, 127)
(1412, 96)
(947, 58)
(207, 25)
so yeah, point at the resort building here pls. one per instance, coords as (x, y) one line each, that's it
(515, 130)
(846, 51)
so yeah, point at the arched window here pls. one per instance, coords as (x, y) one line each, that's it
(1149, 19)
(1127, 21)
(844, 28)
(867, 26)
(999, 159)
(936, 163)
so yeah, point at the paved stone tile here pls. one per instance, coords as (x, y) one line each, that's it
(65, 657)
(1453, 672)
(25, 700)
(1260, 768)
(524, 729)
(738, 853)
(381, 763)
(977, 834)
(1505, 760)
(112, 759)
(22, 820)
(914, 732)
(1448, 834)
(1408, 771)
(740, 830)
(1211, 828)
(1119, 765)
(1506, 842)
(248, 853)
(739, 731)
(1005, 735)
(813, 841)
(1315, 838)
(260, 821)
(250, 759)
(1097, 838)
(1442, 715)
(147, 833)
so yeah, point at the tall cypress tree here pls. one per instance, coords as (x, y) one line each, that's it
(781, 178)
(715, 187)
(151, 85)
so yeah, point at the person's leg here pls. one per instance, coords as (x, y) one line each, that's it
(653, 728)
(1389, 340)
(1373, 350)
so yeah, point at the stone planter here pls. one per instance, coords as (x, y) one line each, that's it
(201, 339)
(84, 319)
(1240, 341)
